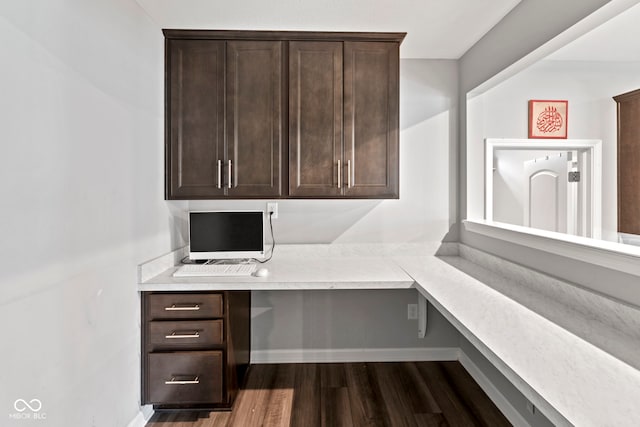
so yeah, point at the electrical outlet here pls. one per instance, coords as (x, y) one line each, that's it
(412, 311)
(272, 207)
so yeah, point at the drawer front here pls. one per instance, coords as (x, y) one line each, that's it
(184, 306)
(185, 377)
(184, 334)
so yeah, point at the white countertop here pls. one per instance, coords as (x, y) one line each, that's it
(296, 273)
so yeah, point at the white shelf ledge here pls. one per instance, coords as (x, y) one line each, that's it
(616, 256)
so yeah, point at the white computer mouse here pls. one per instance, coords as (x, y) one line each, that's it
(262, 272)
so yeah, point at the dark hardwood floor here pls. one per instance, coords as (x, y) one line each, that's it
(351, 394)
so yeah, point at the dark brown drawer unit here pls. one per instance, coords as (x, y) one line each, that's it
(196, 348)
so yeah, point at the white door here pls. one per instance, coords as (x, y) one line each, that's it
(545, 193)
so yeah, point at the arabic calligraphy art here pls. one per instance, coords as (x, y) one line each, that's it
(547, 119)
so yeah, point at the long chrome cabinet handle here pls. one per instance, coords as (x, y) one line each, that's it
(219, 173)
(174, 307)
(229, 183)
(339, 175)
(348, 173)
(173, 381)
(174, 335)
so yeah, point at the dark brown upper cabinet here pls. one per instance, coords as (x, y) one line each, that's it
(231, 96)
(343, 119)
(224, 118)
(628, 161)
(194, 116)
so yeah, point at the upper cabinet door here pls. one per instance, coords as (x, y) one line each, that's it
(254, 119)
(628, 161)
(371, 116)
(315, 119)
(194, 118)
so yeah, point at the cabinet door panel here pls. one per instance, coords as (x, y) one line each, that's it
(628, 161)
(315, 118)
(254, 118)
(194, 118)
(371, 119)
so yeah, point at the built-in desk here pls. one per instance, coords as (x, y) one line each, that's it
(296, 273)
(572, 353)
(187, 325)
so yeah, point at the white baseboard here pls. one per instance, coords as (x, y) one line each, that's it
(509, 411)
(142, 418)
(354, 355)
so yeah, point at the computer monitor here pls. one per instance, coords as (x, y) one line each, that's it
(226, 235)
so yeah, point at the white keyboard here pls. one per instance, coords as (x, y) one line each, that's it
(213, 270)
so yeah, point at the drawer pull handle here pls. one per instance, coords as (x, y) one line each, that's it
(173, 335)
(173, 381)
(174, 307)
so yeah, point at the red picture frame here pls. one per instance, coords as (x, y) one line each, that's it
(548, 119)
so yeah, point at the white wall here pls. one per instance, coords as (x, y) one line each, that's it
(527, 27)
(523, 23)
(81, 191)
(589, 88)
(350, 320)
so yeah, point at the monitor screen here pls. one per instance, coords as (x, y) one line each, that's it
(226, 234)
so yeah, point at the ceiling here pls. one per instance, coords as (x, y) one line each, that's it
(435, 28)
(617, 40)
